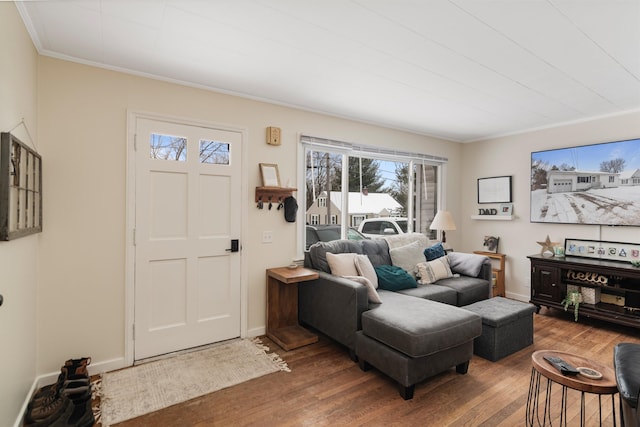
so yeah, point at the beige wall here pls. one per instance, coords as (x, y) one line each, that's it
(511, 155)
(18, 258)
(75, 269)
(84, 117)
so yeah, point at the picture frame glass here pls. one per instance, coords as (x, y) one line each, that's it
(270, 175)
(495, 189)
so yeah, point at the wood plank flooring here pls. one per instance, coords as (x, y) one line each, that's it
(326, 388)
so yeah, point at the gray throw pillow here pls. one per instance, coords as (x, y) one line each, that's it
(467, 264)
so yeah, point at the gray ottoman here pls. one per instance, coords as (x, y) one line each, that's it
(507, 326)
(411, 339)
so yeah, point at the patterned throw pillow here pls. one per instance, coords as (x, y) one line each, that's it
(432, 271)
(434, 252)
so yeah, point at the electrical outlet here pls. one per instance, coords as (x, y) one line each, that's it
(267, 237)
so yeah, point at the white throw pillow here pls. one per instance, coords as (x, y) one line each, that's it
(408, 257)
(365, 268)
(432, 271)
(342, 264)
(372, 294)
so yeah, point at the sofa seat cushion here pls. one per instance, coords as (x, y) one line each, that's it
(418, 327)
(469, 289)
(437, 293)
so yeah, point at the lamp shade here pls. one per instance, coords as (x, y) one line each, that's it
(443, 221)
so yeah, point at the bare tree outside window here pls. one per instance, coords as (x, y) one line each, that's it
(166, 147)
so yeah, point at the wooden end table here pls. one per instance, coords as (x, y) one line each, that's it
(282, 307)
(499, 289)
(541, 368)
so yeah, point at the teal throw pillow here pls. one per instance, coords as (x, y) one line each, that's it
(434, 252)
(393, 278)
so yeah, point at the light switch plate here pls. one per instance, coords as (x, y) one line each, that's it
(273, 135)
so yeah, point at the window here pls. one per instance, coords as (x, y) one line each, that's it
(167, 147)
(369, 182)
(214, 152)
(612, 178)
(315, 219)
(20, 189)
(356, 220)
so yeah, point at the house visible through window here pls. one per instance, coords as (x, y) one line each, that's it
(345, 184)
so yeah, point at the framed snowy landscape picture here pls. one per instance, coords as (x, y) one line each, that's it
(590, 184)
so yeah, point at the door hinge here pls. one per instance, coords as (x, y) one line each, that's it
(134, 331)
(134, 237)
(135, 142)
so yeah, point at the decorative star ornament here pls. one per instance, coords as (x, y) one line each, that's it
(547, 245)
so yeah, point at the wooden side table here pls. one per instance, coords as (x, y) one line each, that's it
(282, 307)
(541, 368)
(499, 288)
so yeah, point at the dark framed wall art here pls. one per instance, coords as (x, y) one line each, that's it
(20, 189)
(496, 189)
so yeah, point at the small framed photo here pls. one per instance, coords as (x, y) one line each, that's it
(270, 175)
(490, 244)
(506, 209)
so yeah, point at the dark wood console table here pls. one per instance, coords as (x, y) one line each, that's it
(282, 307)
(617, 283)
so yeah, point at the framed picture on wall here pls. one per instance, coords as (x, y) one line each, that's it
(270, 175)
(496, 189)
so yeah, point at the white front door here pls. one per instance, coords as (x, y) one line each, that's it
(187, 212)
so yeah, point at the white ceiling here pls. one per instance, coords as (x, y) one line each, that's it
(463, 70)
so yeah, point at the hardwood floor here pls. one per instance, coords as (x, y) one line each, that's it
(325, 387)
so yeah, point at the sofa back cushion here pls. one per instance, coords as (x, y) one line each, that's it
(377, 250)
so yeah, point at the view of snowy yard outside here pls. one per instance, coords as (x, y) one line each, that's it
(612, 205)
(620, 206)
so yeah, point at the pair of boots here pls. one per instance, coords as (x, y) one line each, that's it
(67, 402)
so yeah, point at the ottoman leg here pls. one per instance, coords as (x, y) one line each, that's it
(363, 364)
(407, 392)
(462, 368)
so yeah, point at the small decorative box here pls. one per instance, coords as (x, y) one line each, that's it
(590, 295)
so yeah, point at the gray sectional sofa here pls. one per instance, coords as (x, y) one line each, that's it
(412, 333)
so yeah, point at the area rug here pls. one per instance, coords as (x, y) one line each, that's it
(139, 390)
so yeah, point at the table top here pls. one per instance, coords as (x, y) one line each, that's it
(605, 385)
(292, 275)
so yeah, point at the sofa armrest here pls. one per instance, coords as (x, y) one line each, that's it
(486, 271)
(333, 305)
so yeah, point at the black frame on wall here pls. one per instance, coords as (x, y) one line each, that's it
(20, 189)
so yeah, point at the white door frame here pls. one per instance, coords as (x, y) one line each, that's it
(132, 116)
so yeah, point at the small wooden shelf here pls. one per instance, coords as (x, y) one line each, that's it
(273, 194)
(282, 307)
(499, 288)
(493, 217)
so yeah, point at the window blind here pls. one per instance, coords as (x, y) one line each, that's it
(370, 151)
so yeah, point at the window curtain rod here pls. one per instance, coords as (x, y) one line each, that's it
(370, 149)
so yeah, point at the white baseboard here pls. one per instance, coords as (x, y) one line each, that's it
(519, 297)
(256, 332)
(20, 420)
(94, 368)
